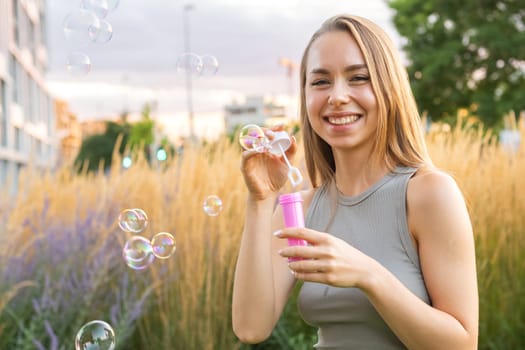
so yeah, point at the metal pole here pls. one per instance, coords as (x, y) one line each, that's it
(187, 49)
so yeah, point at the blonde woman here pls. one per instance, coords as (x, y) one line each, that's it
(390, 262)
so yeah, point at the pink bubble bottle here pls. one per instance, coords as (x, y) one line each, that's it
(293, 215)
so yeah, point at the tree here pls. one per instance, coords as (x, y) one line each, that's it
(142, 132)
(99, 147)
(464, 54)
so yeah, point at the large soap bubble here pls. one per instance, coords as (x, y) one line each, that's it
(95, 335)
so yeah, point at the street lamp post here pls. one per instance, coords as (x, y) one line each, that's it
(187, 49)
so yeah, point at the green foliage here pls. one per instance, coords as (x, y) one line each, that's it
(142, 132)
(464, 54)
(291, 332)
(97, 150)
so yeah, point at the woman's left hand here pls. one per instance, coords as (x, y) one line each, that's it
(327, 259)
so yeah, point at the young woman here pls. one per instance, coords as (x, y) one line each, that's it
(390, 262)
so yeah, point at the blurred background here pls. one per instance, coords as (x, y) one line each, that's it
(107, 105)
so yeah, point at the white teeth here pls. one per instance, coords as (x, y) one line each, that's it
(343, 120)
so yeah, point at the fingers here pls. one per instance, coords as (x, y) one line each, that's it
(310, 270)
(247, 155)
(310, 276)
(292, 149)
(311, 236)
(298, 252)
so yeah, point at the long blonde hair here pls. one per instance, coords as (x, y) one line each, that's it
(399, 135)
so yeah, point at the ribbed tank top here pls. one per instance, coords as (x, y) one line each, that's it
(375, 222)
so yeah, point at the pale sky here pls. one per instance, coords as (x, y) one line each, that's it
(137, 66)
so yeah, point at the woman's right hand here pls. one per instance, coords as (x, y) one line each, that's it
(265, 173)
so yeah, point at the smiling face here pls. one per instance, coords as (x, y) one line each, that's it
(339, 99)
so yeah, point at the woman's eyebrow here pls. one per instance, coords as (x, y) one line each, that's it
(347, 69)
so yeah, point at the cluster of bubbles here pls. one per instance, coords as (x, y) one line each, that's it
(253, 138)
(84, 26)
(139, 252)
(95, 335)
(197, 65)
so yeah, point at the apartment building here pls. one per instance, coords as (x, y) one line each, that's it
(27, 118)
(259, 110)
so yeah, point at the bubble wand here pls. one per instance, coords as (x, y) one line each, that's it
(252, 137)
(282, 141)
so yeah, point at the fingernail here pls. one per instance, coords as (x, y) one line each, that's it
(277, 233)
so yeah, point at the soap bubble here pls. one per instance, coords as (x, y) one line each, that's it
(105, 32)
(161, 154)
(81, 27)
(210, 65)
(99, 7)
(163, 245)
(126, 163)
(133, 220)
(138, 253)
(212, 205)
(95, 335)
(251, 137)
(78, 64)
(113, 4)
(189, 63)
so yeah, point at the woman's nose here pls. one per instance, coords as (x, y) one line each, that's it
(339, 94)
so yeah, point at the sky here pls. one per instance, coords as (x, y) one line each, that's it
(138, 65)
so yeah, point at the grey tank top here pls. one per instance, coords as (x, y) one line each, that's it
(375, 222)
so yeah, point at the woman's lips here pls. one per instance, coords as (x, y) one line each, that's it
(343, 120)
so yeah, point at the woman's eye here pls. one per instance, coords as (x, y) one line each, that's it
(360, 78)
(320, 82)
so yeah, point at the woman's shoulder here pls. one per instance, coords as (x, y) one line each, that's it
(432, 182)
(431, 191)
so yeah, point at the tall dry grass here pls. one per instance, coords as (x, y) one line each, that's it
(188, 304)
(61, 263)
(493, 182)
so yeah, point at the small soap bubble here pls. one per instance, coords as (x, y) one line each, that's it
(163, 245)
(212, 205)
(113, 4)
(251, 137)
(161, 154)
(95, 335)
(210, 65)
(99, 7)
(133, 220)
(127, 162)
(105, 32)
(78, 64)
(81, 27)
(138, 253)
(189, 63)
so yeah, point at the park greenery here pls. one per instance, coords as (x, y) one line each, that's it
(464, 54)
(61, 262)
(97, 150)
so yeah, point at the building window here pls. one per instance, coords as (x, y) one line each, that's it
(13, 71)
(19, 139)
(16, 21)
(3, 114)
(31, 39)
(43, 29)
(3, 171)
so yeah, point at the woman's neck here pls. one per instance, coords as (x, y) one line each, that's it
(357, 171)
